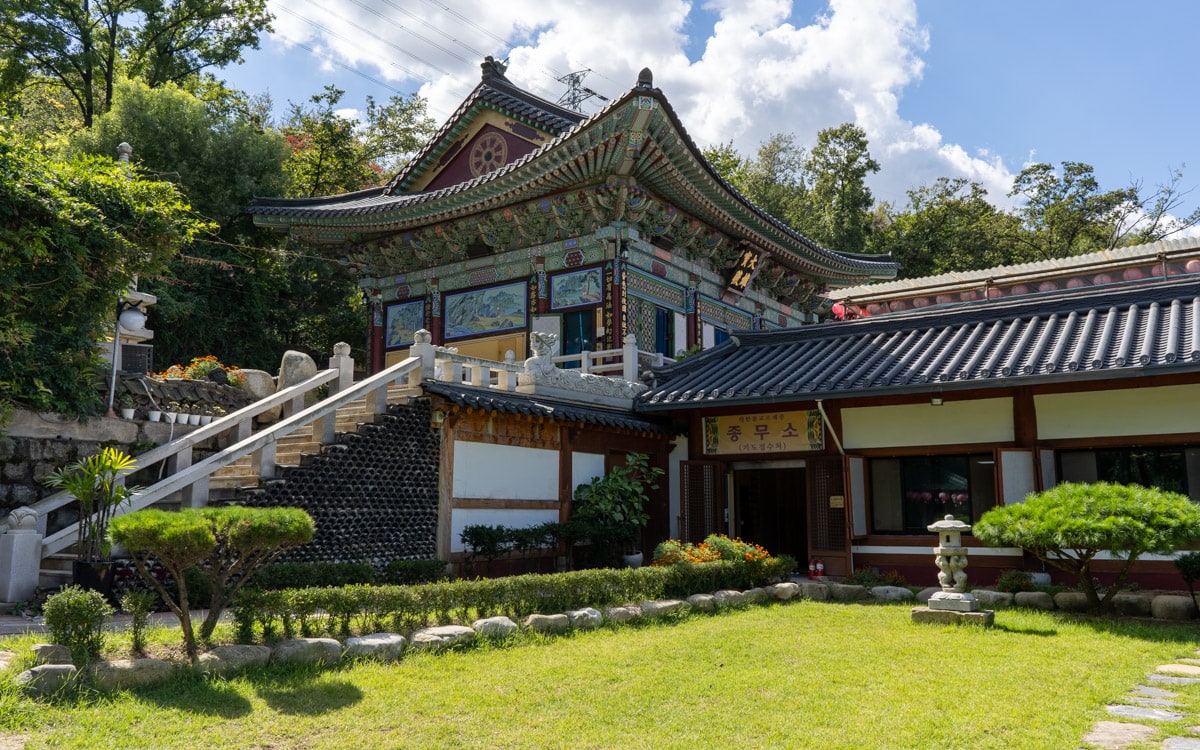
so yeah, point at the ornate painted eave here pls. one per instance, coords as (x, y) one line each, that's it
(632, 161)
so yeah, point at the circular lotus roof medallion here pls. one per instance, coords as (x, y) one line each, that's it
(489, 152)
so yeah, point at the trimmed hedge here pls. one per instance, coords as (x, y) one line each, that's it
(359, 608)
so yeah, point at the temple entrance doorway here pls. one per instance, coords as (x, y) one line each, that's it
(769, 506)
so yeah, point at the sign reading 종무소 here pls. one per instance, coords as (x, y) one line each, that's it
(775, 432)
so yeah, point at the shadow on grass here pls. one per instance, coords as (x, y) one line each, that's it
(306, 690)
(193, 693)
(1041, 632)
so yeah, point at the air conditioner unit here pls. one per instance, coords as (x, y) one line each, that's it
(138, 358)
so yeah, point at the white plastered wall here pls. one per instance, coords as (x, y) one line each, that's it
(1136, 411)
(987, 420)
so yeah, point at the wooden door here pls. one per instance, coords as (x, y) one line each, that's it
(827, 537)
(701, 500)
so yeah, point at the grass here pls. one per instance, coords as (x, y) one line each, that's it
(802, 675)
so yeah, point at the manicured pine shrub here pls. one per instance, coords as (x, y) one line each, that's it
(75, 618)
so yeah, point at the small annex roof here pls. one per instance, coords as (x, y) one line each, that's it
(636, 147)
(1147, 329)
(998, 276)
(505, 402)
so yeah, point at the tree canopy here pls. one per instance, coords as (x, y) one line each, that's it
(82, 47)
(1068, 526)
(73, 235)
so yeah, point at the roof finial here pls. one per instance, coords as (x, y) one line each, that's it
(493, 68)
(645, 79)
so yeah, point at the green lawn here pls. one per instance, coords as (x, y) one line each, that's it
(798, 675)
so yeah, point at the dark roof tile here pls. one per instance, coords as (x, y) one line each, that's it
(1151, 327)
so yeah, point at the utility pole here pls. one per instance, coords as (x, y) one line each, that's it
(577, 93)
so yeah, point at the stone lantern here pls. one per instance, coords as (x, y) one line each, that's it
(951, 559)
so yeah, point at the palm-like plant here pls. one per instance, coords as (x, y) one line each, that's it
(96, 483)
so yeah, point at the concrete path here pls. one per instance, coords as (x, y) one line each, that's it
(1149, 706)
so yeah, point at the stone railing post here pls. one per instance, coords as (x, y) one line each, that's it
(344, 364)
(20, 556)
(629, 369)
(423, 347)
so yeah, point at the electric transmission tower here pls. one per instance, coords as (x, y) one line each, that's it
(577, 93)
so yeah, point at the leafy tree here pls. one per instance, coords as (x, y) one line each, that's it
(83, 46)
(230, 544)
(839, 199)
(73, 234)
(948, 226)
(327, 155)
(610, 510)
(1067, 526)
(260, 296)
(1066, 214)
(774, 180)
(395, 131)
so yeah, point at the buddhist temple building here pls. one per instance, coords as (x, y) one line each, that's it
(521, 216)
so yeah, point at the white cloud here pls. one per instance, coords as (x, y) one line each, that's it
(759, 67)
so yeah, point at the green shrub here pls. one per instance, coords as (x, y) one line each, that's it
(871, 577)
(75, 618)
(1188, 564)
(292, 575)
(231, 544)
(407, 572)
(139, 604)
(1068, 526)
(1014, 581)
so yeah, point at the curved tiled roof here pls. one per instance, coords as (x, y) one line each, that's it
(536, 406)
(1146, 329)
(666, 162)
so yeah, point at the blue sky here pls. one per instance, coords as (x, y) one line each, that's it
(942, 87)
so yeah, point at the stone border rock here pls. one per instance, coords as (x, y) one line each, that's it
(52, 675)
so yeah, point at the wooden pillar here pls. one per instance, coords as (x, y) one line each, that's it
(435, 312)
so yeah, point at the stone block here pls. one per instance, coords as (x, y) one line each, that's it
(985, 618)
(702, 602)
(1071, 601)
(729, 598)
(46, 679)
(587, 618)
(784, 591)
(623, 614)
(1117, 734)
(989, 598)
(494, 627)
(51, 653)
(818, 592)
(295, 368)
(380, 646)
(124, 674)
(1034, 600)
(663, 607)
(847, 592)
(891, 593)
(308, 651)
(224, 660)
(1172, 607)
(1180, 670)
(442, 636)
(924, 594)
(559, 623)
(1134, 605)
(754, 596)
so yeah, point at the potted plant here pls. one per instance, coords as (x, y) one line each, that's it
(611, 509)
(125, 401)
(95, 483)
(172, 410)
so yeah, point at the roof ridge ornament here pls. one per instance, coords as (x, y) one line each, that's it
(493, 69)
(645, 79)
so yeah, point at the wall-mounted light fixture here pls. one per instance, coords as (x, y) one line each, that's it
(438, 417)
(936, 401)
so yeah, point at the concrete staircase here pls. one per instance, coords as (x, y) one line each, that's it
(229, 482)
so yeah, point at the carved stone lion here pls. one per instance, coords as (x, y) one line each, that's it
(542, 344)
